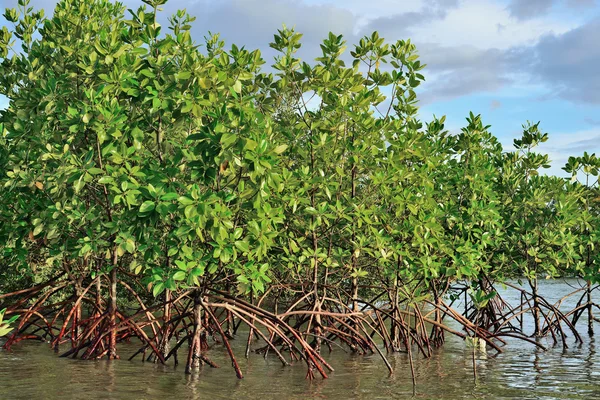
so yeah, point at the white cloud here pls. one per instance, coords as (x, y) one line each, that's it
(525, 9)
(563, 145)
(477, 22)
(569, 62)
(374, 8)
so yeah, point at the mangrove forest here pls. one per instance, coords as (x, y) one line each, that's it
(182, 196)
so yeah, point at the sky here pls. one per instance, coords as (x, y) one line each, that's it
(511, 61)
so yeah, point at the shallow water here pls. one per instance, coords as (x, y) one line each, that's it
(32, 371)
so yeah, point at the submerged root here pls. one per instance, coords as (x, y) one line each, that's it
(296, 330)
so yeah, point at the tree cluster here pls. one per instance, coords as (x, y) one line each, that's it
(306, 201)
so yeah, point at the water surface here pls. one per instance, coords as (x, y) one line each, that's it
(32, 371)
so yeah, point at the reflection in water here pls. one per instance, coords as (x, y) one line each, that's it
(589, 359)
(108, 369)
(192, 383)
(32, 371)
(537, 359)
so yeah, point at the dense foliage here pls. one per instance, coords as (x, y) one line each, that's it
(140, 170)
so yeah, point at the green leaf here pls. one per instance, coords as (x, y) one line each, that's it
(280, 149)
(169, 196)
(147, 206)
(130, 245)
(158, 289)
(237, 86)
(38, 229)
(5, 330)
(228, 139)
(186, 201)
(179, 276)
(242, 246)
(95, 171)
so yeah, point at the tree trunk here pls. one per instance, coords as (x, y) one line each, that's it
(98, 310)
(589, 309)
(230, 319)
(193, 360)
(112, 341)
(78, 316)
(395, 328)
(536, 307)
(437, 334)
(355, 294)
(164, 345)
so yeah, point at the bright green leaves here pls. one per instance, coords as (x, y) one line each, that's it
(147, 207)
(38, 226)
(186, 201)
(179, 276)
(242, 246)
(5, 327)
(158, 288)
(197, 168)
(252, 277)
(541, 213)
(237, 86)
(471, 202)
(280, 149)
(183, 75)
(227, 139)
(169, 196)
(587, 166)
(583, 197)
(126, 245)
(480, 298)
(532, 137)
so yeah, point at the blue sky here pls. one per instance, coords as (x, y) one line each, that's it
(509, 60)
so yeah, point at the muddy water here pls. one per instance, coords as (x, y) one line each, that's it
(32, 371)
